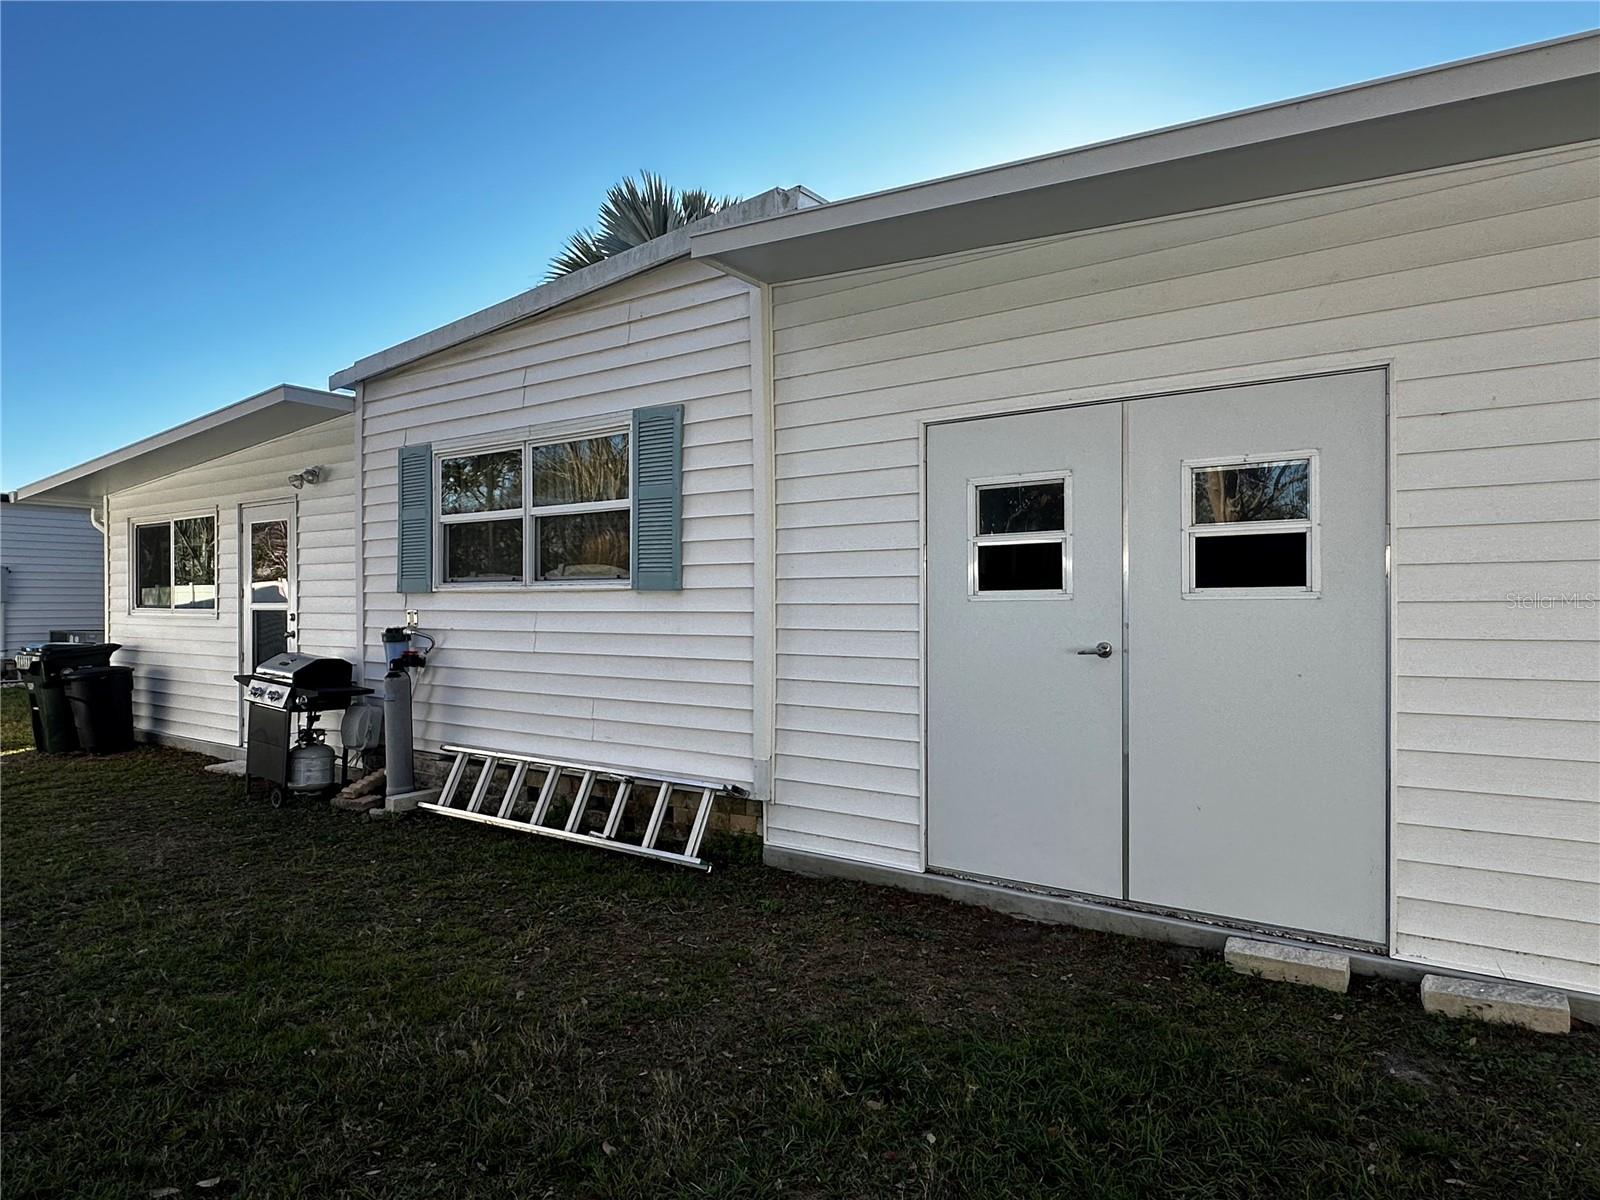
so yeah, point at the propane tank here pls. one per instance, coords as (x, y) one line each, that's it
(310, 764)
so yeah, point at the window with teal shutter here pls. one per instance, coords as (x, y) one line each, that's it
(414, 555)
(658, 498)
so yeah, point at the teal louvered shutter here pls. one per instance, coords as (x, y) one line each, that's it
(414, 554)
(658, 498)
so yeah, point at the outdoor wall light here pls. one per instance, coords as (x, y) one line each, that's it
(309, 475)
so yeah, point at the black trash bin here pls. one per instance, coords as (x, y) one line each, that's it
(102, 707)
(54, 729)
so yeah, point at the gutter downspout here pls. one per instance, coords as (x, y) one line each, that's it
(358, 493)
(764, 642)
(102, 524)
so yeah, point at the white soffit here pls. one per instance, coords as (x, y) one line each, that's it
(260, 418)
(1531, 98)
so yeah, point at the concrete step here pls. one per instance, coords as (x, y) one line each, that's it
(1539, 1009)
(1289, 964)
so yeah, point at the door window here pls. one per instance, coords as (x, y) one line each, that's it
(1250, 526)
(269, 562)
(267, 578)
(1021, 536)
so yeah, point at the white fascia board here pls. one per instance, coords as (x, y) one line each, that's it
(274, 413)
(1555, 83)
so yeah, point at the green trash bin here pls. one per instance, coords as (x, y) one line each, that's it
(54, 728)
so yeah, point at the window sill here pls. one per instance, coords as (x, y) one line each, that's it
(1253, 594)
(1039, 594)
(608, 585)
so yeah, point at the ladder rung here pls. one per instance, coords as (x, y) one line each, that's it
(519, 774)
(490, 765)
(653, 830)
(453, 780)
(618, 803)
(701, 817)
(546, 794)
(580, 802)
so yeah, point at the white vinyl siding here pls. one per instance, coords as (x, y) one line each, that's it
(650, 680)
(54, 577)
(1476, 285)
(184, 662)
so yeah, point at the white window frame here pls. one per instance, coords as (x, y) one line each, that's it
(1310, 525)
(975, 540)
(529, 513)
(137, 523)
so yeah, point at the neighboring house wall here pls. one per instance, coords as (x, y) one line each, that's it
(54, 576)
(1477, 285)
(649, 680)
(184, 662)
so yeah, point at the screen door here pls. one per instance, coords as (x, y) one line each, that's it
(267, 570)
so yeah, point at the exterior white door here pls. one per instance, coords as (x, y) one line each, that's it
(267, 576)
(1024, 576)
(1229, 758)
(1258, 671)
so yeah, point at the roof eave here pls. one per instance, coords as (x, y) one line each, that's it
(1528, 98)
(568, 288)
(276, 412)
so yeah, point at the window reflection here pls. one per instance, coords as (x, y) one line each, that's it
(477, 483)
(1254, 492)
(269, 562)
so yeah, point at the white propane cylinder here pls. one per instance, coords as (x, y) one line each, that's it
(310, 767)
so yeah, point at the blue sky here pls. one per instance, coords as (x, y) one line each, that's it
(198, 201)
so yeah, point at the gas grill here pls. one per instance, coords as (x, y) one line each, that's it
(278, 691)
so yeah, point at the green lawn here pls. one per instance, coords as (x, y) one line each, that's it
(309, 1003)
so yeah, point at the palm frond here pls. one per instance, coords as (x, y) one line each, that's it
(635, 211)
(638, 210)
(695, 203)
(583, 249)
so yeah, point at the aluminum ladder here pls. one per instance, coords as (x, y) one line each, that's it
(477, 807)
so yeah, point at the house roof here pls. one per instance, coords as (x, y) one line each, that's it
(567, 288)
(1529, 98)
(270, 414)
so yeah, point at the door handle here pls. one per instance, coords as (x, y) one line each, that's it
(1099, 650)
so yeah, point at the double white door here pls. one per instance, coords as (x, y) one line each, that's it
(1157, 652)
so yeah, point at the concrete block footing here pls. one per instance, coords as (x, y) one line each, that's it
(1290, 964)
(406, 801)
(1542, 1010)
